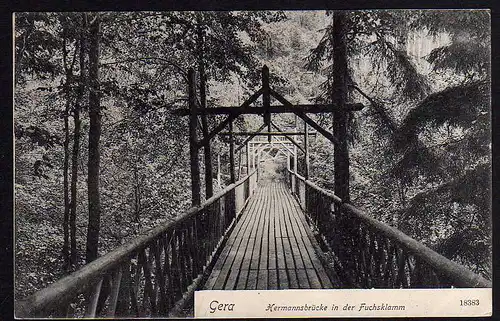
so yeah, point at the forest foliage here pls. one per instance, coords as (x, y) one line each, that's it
(419, 150)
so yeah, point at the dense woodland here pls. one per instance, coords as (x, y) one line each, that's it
(99, 156)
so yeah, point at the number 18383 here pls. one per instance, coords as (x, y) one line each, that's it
(469, 302)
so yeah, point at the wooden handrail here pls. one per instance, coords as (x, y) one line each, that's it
(457, 273)
(323, 191)
(63, 291)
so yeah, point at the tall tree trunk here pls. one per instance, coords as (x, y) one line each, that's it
(339, 98)
(65, 188)
(74, 180)
(76, 142)
(94, 137)
(207, 153)
(67, 93)
(340, 122)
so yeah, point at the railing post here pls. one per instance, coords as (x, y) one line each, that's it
(252, 155)
(295, 162)
(294, 181)
(266, 99)
(306, 149)
(193, 144)
(218, 171)
(231, 154)
(91, 309)
(258, 163)
(247, 152)
(231, 205)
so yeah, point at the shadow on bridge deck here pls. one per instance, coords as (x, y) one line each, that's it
(270, 247)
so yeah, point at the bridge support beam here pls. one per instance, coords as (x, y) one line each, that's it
(232, 172)
(207, 152)
(249, 138)
(258, 165)
(219, 182)
(193, 146)
(247, 153)
(339, 98)
(295, 156)
(266, 99)
(306, 149)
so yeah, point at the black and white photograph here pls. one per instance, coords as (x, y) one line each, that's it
(163, 154)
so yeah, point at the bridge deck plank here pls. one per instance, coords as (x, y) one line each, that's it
(308, 239)
(225, 254)
(238, 272)
(230, 270)
(270, 247)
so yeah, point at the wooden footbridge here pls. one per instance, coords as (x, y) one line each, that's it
(264, 231)
(270, 248)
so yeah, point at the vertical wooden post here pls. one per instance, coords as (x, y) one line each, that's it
(252, 151)
(339, 98)
(266, 99)
(193, 145)
(218, 171)
(254, 157)
(247, 152)
(207, 152)
(288, 160)
(306, 149)
(295, 156)
(231, 153)
(294, 167)
(258, 162)
(239, 165)
(209, 188)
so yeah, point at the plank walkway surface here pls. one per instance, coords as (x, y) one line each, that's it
(270, 247)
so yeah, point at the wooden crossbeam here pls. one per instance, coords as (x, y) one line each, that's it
(288, 138)
(259, 150)
(293, 142)
(267, 148)
(286, 147)
(320, 129)
(233, 109)
(216, 130)
(266, 133)
(274, 109)
(306, 118)
(249, 138)
(269, 144)
(278, 153)
(287, 107)
(266, 142)
(229, 119)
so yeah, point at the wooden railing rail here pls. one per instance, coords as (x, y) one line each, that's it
(151, 274)
(371, 254)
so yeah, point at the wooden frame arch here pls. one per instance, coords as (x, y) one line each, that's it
(198, 108)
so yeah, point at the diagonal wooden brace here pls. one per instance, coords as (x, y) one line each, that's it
(306, 118)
